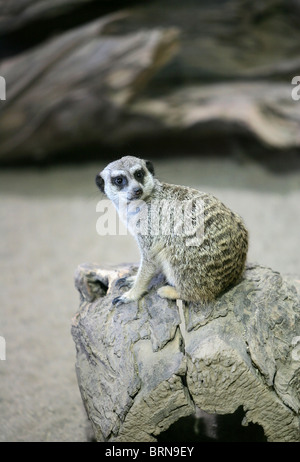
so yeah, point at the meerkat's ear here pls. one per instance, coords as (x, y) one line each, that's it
(100, 182)
(150, 167)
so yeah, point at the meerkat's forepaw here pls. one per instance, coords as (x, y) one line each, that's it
(127, 297)
(117, 301)
(120, 300)
(168, 292)
(125, 282)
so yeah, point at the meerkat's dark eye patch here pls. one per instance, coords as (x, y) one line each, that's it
(150, 167)
(120, 181)
(139, 175)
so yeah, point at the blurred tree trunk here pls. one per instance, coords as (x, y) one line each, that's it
(123, 77)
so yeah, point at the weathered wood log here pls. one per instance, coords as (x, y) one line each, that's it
(144, 365)
(15, 15)
(263, 110)
(72, 90)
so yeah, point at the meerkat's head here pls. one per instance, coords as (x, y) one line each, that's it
(127, 179)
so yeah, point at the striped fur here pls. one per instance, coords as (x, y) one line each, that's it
(205, 271)
(196, 270)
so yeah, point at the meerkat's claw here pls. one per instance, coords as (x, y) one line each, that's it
(125, 282)
(123, 299)
(120, 300)
(117, 301)
(122, 282)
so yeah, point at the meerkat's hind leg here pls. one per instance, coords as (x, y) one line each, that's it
(168, 292)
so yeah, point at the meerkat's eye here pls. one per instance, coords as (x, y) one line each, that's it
(120, 180)
(139, 175)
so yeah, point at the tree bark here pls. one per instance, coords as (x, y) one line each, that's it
(144, 365)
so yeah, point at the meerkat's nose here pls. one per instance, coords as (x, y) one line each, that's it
(137, 191)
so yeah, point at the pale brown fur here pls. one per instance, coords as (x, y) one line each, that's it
(196, 270)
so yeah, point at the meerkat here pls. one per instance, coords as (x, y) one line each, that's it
(198, 266)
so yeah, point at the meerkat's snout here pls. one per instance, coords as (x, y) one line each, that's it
(138, 191)
(135, 193)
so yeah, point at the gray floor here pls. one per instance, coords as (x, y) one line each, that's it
(48, 226)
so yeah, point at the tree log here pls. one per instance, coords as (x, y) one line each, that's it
(15, 14)
(81, 90)
(144, 365)
(263, 110)
(73, 90)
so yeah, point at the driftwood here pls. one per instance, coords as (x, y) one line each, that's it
(15, 15)
(264, 110)
(81, 89)
(143, 366)
(71, 91)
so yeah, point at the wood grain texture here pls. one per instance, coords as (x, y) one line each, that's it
(143, 366)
